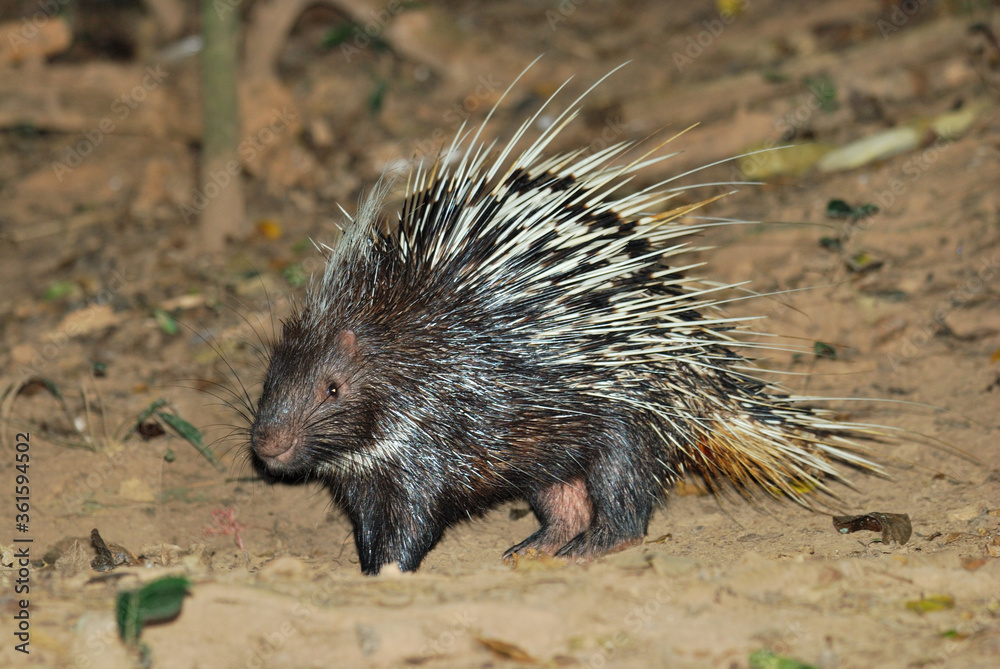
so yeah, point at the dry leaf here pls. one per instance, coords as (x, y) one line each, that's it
(110, 556)
(507, 651)
(895, 527)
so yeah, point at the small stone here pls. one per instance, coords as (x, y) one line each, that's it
(368, 639)
(73, 561)
(285, 568)
(971, 512)
(671, 565)
(136, 490)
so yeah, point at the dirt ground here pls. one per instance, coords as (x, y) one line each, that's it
(108, 298)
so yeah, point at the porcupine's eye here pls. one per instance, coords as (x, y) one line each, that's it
(330, 392)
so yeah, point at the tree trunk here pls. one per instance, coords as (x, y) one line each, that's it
(221, 174)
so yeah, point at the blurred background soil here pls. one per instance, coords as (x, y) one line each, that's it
(110, 305)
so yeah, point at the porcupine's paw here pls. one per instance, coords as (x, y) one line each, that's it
(545, 541)
(595, 542)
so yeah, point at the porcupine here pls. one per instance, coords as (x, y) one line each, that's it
(525, 332)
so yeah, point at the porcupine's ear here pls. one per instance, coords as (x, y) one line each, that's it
(339, 381)
(347, 343)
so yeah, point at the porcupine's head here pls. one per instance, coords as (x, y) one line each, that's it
(310, 409)
(326, 379)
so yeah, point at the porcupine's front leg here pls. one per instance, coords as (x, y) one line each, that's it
(388, 529)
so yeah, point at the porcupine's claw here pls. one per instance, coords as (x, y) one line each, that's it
(595, 543)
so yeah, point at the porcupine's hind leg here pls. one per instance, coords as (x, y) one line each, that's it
(623, 487)
(563, 509)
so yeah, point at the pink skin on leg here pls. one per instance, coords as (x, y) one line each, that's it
(564, 510)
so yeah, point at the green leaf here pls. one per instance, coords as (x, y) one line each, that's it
(58, 289)
(377, 97)
(26, 129)
(931, 603)
(191, 434)
(862, 261)
(830, 243)
(866, 210)
(166, 321)
(338, 34)
(768, 659)
(158, 601)
(838, 209)
(295, 275)
(824, 350)
(304, 244)
(774, 76)
(48, 384)
(148, 411)
(825, 91)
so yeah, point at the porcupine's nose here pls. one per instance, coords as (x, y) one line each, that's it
(272, 443)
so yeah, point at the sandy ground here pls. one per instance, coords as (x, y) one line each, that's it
(91, 254)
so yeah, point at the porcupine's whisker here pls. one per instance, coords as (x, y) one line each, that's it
(212, 342)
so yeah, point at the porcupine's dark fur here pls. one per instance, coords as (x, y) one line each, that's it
(520, 335)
